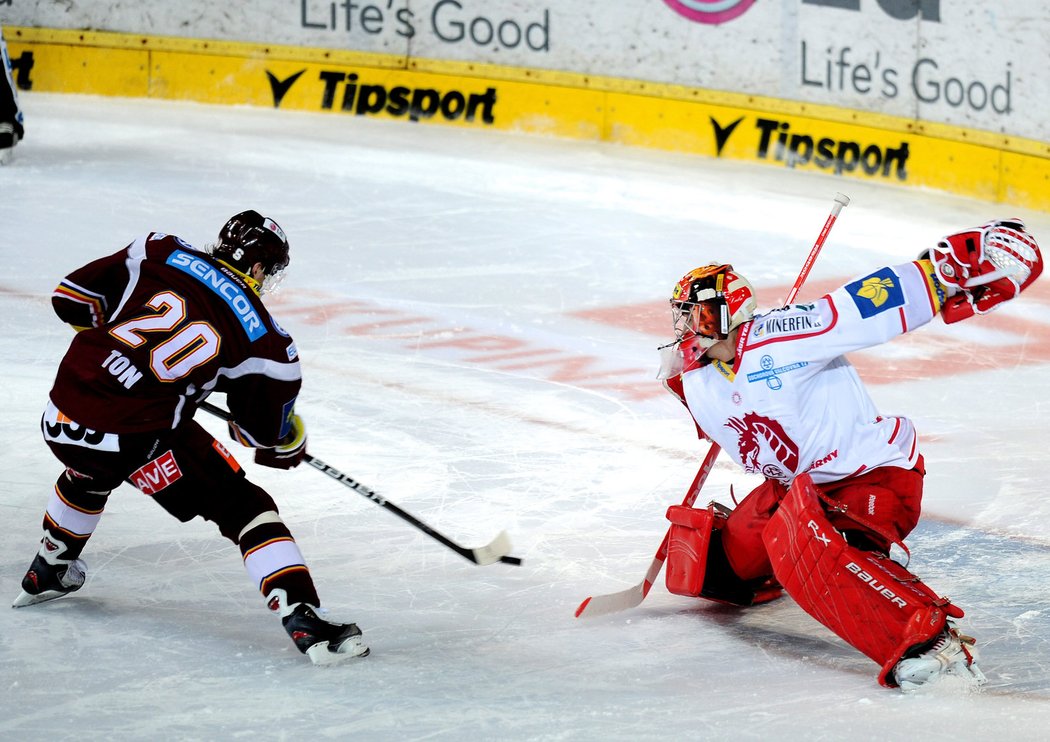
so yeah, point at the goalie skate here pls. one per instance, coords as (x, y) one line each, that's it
(950, 653)
(45, 581)
(324, 642)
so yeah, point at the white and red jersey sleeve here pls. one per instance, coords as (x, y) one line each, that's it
(793, 403)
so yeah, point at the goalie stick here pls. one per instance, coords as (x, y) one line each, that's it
(600, 605)
(497, 550)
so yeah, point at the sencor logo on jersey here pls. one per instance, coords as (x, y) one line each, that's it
(876, 293)
(223, 287)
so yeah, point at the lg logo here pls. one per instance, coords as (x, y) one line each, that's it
(714, 12)
(902, 10)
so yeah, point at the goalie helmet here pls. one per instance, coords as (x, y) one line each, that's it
(249, 238)
(710, 302)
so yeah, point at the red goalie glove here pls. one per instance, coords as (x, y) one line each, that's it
(985, 266)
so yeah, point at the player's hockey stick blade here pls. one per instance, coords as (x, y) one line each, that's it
(496, 550)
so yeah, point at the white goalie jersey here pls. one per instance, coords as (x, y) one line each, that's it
(793, 403)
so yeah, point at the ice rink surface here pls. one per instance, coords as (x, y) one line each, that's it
(477, 315)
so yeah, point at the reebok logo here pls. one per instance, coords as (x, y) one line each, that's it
(157, 474)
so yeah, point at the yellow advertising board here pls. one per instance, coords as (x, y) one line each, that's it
(774, 132)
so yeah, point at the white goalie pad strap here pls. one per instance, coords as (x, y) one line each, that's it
(70, 518)
(266, 560)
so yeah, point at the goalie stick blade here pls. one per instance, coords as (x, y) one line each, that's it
(602, 605)
(493, 552)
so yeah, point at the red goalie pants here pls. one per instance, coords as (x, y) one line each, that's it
(871, 510)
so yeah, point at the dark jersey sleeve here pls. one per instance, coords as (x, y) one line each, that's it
(88, 295)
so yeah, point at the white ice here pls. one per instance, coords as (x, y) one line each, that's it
(478, 315)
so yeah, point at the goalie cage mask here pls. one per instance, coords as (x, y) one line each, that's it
(249, 238)
(710, 302)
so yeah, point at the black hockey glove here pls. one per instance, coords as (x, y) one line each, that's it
(290, 452)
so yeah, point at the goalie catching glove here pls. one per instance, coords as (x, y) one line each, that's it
(290, 452)
(984, 267)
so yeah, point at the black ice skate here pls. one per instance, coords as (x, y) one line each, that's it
(324, 642)
(46, 581)
(10, 133)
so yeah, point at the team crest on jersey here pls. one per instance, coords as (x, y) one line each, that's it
(877, 292)
(754, 430)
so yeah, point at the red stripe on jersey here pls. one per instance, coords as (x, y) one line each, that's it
(264, 544)
(93, 304)
(896, 429)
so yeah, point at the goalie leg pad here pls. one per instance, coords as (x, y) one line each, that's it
(687, 544)
(871, 602)
(697, 564)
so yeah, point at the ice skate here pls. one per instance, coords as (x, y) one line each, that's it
(45, 581)
(324, 642)
(950, 653)
(9, 136)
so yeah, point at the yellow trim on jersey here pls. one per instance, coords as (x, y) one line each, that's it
(938, 293)
(725, 370)
(252, 283)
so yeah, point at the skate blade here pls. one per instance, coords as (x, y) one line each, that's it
(25, 598)
(322, 656)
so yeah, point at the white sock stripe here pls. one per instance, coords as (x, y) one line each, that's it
(69, 518)
(270, 516)
(271, 558)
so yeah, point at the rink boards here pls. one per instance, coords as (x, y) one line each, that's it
(840, 142)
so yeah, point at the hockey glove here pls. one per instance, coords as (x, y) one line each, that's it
(290, 452)
(984, 267)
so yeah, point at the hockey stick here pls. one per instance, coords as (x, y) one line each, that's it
(600, 605)
(497, 550)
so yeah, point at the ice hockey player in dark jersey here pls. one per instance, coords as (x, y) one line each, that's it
(161, 325)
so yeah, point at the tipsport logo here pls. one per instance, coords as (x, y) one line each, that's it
(710, 12)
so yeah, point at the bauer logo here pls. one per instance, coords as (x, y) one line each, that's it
(876, 293)
(710, 12)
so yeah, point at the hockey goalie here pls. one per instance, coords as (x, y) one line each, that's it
(842, 483)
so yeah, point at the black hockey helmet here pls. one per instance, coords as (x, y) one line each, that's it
(249, 238)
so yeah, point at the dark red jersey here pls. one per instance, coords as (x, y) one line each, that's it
(166, 325)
